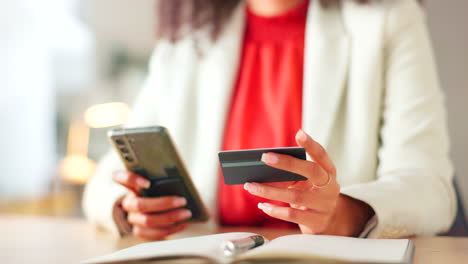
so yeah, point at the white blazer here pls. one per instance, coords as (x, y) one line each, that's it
(371, 97)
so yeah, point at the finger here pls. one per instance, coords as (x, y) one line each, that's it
(299, 185)
(308, 169)
(315, 151)
(157, 233)
(315, 221)
(130, 180)
(159, 220)
(281, 184)
(133, 203)
(312, 200)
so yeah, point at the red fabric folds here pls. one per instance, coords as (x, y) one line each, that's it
(266, 108)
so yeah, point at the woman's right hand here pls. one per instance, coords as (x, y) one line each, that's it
(152, 218)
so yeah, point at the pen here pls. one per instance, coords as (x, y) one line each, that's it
(234, 247)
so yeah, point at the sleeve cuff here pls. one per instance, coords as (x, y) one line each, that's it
(403, 204)
(371, 224)
(100, 204)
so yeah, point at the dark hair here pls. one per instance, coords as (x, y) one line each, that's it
(177, 17)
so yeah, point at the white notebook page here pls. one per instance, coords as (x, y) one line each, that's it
(333, 247)
(207, 246)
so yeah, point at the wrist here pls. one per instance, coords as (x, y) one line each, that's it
(119, 216)
(350, 216)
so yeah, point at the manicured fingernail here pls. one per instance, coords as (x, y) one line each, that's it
(180, 201)
(264, 207)
(136, 218)
(270, 158)
(133, 203)
(185, 214)
(301, 136)
(120, 176)
(143, 183)
(251, 187)
(126, 203)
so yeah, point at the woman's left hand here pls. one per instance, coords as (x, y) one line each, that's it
(314, 202)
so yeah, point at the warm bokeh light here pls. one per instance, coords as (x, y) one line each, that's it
(107, 115)
(77, 168)
(78, 138)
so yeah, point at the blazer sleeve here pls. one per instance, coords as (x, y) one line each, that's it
(413, 193)
(102, 195)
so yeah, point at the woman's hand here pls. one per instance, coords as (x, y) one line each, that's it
(152, 218)
(315, 204)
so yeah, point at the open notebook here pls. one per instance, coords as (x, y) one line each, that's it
(296, 248)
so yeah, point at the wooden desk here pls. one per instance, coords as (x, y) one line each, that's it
(67, 241)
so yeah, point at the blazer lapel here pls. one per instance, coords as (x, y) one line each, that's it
(325, 70)
(218, 72)
(216, 76)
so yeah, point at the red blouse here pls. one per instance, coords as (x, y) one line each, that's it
(266, 109)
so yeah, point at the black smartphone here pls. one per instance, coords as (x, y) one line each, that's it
(241, 166)
(151, 153)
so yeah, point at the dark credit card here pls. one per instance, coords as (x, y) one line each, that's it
(241, 166)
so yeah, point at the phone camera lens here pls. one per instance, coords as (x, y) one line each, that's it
(124, 150)
(120, 142)
(129, 159)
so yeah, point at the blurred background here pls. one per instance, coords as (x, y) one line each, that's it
(69, 70)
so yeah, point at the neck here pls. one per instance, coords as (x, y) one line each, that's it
(270, 8)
